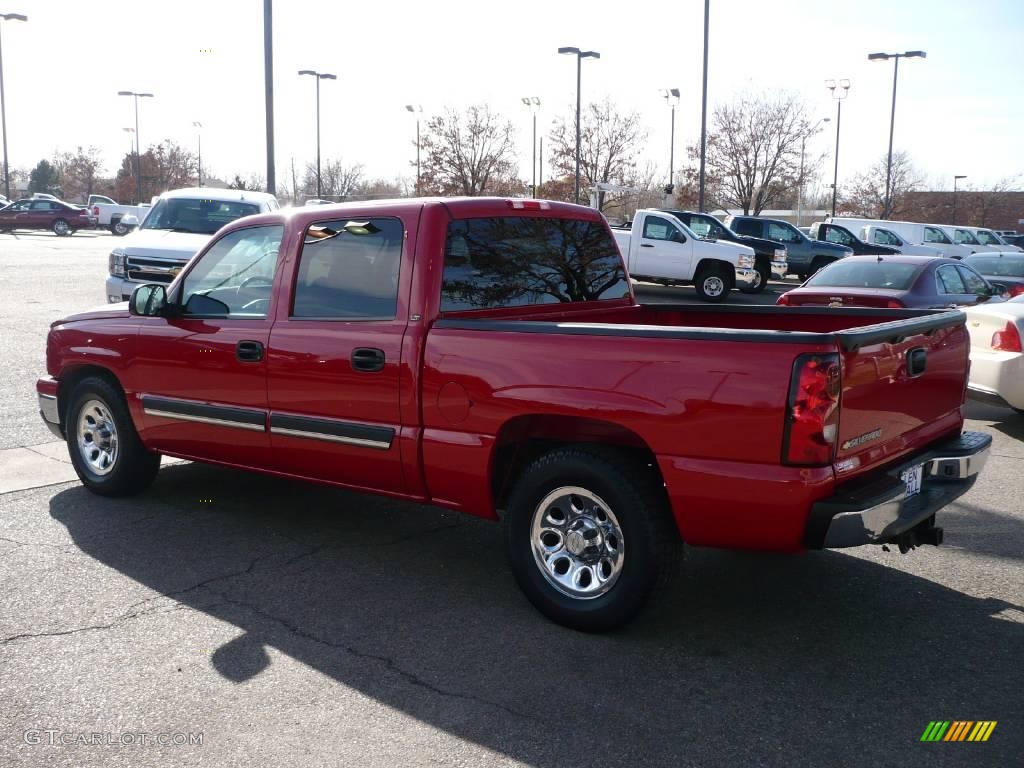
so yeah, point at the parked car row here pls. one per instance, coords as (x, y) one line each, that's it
(45, 212)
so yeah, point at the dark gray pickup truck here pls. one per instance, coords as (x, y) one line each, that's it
(804, 255)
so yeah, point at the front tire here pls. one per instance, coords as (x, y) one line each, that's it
(61, 228)
(713, 283)
(589, 537)
(105, 449)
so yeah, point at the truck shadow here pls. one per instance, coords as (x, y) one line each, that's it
(415, 607)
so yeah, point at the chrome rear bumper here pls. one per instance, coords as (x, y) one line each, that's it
(877, 509)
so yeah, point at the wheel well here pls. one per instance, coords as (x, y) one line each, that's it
(523, 438)
(70, 378)
(724, 266)
(822, 261)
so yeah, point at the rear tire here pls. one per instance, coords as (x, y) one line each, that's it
(105, 449)
(819, 263)
(589, 536)
(713, 283)
(119, 229)
(764, 273)
(61, 228)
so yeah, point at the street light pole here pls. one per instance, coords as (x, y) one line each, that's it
(417, 110)
(955, 180)
(892, 118)
(3, 103)
(580, 56)
(199, 140)
(704, 109)
(319, 76)
(671, 96)
(839, 92)
(533, 104)
(268, 91)
(138, 145)
(800, 186)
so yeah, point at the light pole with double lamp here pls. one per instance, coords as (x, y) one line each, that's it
(839, 92)
(955, 180)
(892, 119)
(671, 96)
(319, 76)
(580, 56)
(417, 110)
(3, 103)
(533, 104)
(138, 147)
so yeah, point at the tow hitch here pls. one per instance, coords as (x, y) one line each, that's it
(925, 532)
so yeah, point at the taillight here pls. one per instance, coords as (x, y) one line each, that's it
(783, 300)
(894, 304)
(1016, 290)
(812, 413)
(530, 205)
(1008, 339)
(95, 210)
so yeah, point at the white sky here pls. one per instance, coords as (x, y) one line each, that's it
(960, 111)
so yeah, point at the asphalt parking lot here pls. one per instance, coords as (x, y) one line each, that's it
(291, 624)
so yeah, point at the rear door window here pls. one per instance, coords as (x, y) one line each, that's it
(519, 261)
(949, 281)
(348, 270)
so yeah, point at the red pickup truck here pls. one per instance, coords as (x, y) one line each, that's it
(487, 355)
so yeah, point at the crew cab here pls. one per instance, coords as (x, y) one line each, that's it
(179, 224)
(660, 248)
(834, 233)
(769, 256)
(487, 355)
(804, 255)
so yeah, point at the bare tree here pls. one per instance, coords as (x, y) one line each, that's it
(470, 154)
(754, 150)
(866, 196)
(79, 172)
(980, 207)
(609, 143)
(337, 180)
(253, 182)
(164, 166)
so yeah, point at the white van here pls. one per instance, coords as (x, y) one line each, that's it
(992, 238)
(965, 236)
(883, 236)
(912, 232)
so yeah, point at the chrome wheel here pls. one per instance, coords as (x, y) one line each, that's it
(60, 227)
(577, 542)
(714, 286)
(97, 437)
(757, 281)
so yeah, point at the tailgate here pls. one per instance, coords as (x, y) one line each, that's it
(902, 387)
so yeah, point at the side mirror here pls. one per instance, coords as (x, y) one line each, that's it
(130, 220)
(999, 289)
(148, 300)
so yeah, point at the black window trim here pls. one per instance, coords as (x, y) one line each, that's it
(357, 318)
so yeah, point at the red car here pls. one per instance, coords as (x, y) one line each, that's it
(487, 355)
(39, 213)
(895, 282)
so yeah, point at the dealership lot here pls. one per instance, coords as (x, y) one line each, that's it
(280, 619)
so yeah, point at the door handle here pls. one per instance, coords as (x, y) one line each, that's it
(249, 351)
(368, 359)
(646, 245)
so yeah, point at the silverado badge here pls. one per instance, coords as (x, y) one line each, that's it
(853, 442)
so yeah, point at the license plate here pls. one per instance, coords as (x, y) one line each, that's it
(912, 477)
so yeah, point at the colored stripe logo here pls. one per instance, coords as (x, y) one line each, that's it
(959, 730)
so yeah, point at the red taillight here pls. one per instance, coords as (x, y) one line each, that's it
(812, 418)
(95, 210)
(1016, 290)
(783, 300)
(1008, 339)
(894, 304)
(530, 205)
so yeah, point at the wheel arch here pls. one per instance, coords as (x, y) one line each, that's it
(710, 263)
(70, 378)
(523, 438)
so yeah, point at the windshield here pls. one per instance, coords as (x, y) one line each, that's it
(866, 274)
(201, 217)
(998, 266)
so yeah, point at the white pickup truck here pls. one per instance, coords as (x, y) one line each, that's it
(659, 248)
(181, 222)
(109, 213)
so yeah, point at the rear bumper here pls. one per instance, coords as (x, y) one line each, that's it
(49, 409)
(876, 510)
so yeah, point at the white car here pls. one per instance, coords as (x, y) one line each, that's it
(997, 355)
(178, 225)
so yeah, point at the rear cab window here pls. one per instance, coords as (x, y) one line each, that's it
(515, 261)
